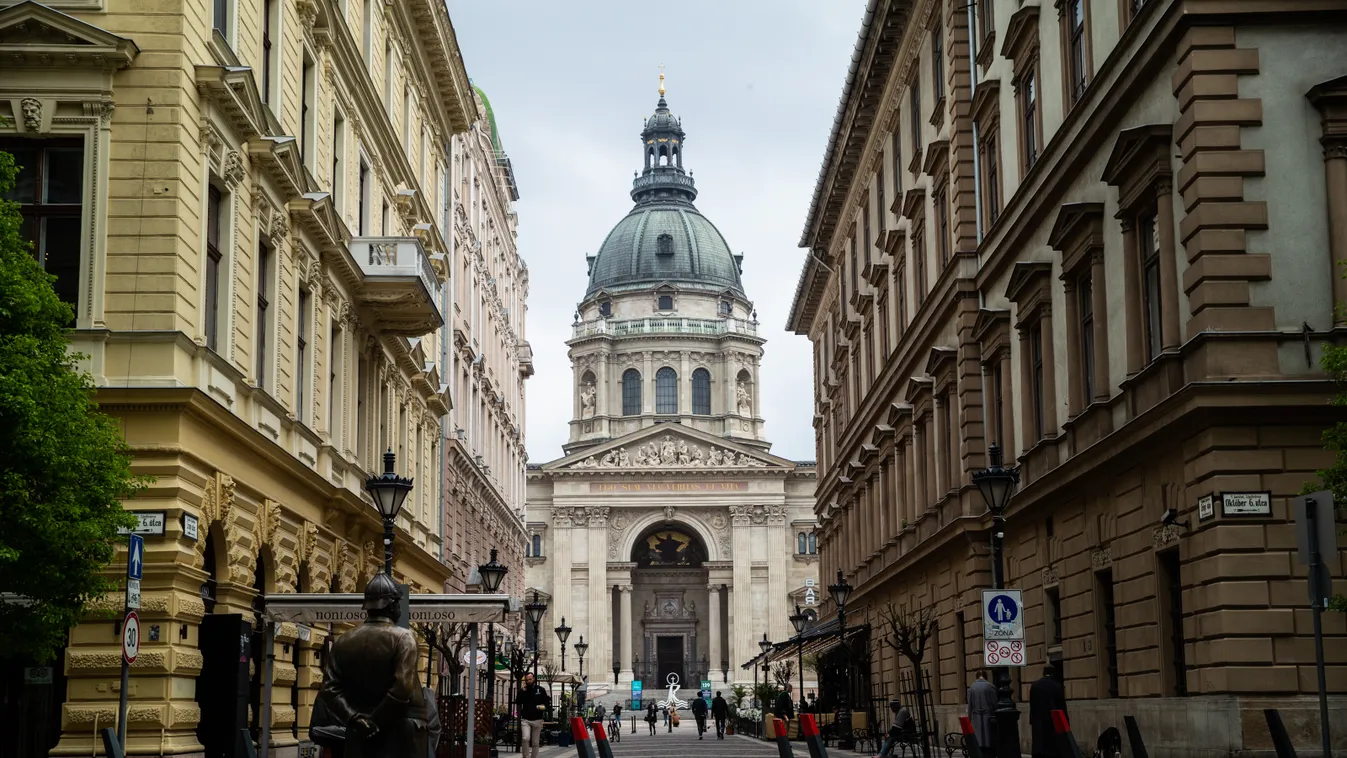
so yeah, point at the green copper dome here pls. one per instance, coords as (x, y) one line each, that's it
(664, 238)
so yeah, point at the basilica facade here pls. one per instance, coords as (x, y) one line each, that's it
(667, 535)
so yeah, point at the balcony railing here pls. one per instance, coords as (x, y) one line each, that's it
(710, 327)
(400, 281)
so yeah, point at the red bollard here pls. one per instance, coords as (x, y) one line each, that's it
(601, 741)
(809, 728)
(970, 737)
(1066, 741)
(583, 746)
(782, 741)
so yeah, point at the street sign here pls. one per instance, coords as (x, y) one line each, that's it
(135, 557)
(1325, 532)
(1003, 653)
(1246, 503)
(37, 675)
(147, 522)
(636, 694)
(131, 637)
(1002, 616)
(467, 657)
(190, 524)
(132, 594)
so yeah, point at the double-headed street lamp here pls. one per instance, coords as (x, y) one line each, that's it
(563, 632)
(581, 648)
(799, 620)
(997, 485)
(535, 611)
(493, 573)
(840, 592)
(388, 491)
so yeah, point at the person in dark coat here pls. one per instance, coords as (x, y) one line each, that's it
(721, 710)
(699, 710)
(1045, 696)
(533, 702)
(901, 727)
(785, 705)
(650, 717)
(981, 706)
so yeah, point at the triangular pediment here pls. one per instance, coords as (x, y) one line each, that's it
(31, 34)
(668, 447)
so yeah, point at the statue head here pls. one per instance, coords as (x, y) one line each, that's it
(382, 597)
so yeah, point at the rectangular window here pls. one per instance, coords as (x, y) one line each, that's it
(951, 443)
(854, 267)
(938, 62)
(220, 17)
(384, 228)
(919, 260)
(1171, 604)
(267, 31)
(991, 173)
(1148, 246)
(302, 356)
(865, 229)
(49, 190)
(363, 210)
(361, 416)
(263, 304)
(1036, 377)
(942, 225)
(367, 29)
(1107, 628)
(998, 407)
(388, 81)
(880, 207)
(914, 106)
(897, 148)
(902, 301)
(1077, 65)
(308, 84)
(1085, 307)
(987, 19)
(334, 364)
(214, 256)
(1029, 120)
(406, 116)
(338, 161)
(884, 329)
(1052, 617)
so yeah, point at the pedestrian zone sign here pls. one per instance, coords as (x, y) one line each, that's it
(1002, 615)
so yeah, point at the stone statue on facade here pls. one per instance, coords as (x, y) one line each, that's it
(588, 395)
(743, 401)
(371, 683)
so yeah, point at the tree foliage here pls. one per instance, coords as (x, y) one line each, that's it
(64, 467)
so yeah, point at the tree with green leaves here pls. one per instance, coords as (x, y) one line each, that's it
(64, 467)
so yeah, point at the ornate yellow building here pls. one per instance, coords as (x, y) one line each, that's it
(246, 201)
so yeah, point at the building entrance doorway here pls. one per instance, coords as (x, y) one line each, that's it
(669, 658)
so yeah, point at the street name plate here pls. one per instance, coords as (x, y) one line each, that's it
(1246, 503)
(133, 594)
(147, 522)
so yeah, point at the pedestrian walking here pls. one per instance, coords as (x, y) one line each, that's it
(650, 717)
(785, 705)
(721, 711)
(981, 706)
(1045, 696)
(671, 717)
(533, 703)
(699, 710)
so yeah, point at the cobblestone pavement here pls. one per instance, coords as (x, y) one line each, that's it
(682, 743)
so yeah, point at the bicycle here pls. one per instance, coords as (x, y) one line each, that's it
(614, 729)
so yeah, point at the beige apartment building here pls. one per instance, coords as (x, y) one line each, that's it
(1109, 237)
(486, 360)
(247, 202)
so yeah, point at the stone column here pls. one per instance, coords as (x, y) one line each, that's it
(1049, 375)
(1027, 430)
(919, 501)
(1075, 381)
(647, 384)
(1135, 328)
(1169, 267)
(714, 653)
(600, 608)
(627, 643)
(941, 447)
(684, 383)
(743, 645)
(561, 578)
(913, 489)
(778, 554)
(1099, 312)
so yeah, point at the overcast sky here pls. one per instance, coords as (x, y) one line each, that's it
(756, 84)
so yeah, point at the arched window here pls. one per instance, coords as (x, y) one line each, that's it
(537, 546)
(813, 543)
(701, 392)
(631, 392)
(801, 544)
(664, 244)
(666, 391)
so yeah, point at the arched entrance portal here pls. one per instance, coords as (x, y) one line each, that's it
(669, 583)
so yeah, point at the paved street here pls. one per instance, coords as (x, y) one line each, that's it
(682, 743)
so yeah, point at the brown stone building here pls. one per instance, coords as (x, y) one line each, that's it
(1108, 236)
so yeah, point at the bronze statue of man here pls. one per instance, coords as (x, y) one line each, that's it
(371, 684)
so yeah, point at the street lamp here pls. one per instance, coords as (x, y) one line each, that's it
(581, 648)
(799, 620)
(997, 485)
(764, 645)
(388, 491)
(840, 592)
(535, 611)
(563, 632)
(492, 573)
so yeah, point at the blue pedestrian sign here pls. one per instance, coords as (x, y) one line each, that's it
(135, 558)
(1002, 618)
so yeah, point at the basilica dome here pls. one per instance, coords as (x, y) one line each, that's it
(664, 238)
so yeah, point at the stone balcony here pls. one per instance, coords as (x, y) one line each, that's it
(400, 286)
(708, 327)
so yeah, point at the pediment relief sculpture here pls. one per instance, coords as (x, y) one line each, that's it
(670, 452)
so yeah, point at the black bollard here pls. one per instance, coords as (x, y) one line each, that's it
(782, 741)
(970, 739)
(1134, 738)
(809, 728)
(1066, 741)
(1281, 741)
(601, 740)
(583, 747)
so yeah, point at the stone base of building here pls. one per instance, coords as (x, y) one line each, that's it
(1209, 726)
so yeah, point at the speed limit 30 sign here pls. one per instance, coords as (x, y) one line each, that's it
(131, 637)
(1004, 652)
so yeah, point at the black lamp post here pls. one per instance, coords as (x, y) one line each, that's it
(799, 620)
(765, 645)
(840, 592)
(581, 648)
(563, 632)
(997, 485)
(492, 573)
(535, 611)
(388, 491)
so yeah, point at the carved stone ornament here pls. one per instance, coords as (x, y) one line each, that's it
(1051, 576)
(1101, 559)
(596, 516)
(743, 399)
(1163, 535)
(588, 396)
(670, 452)
(280, 228)
(31, 109)
(233, 167)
